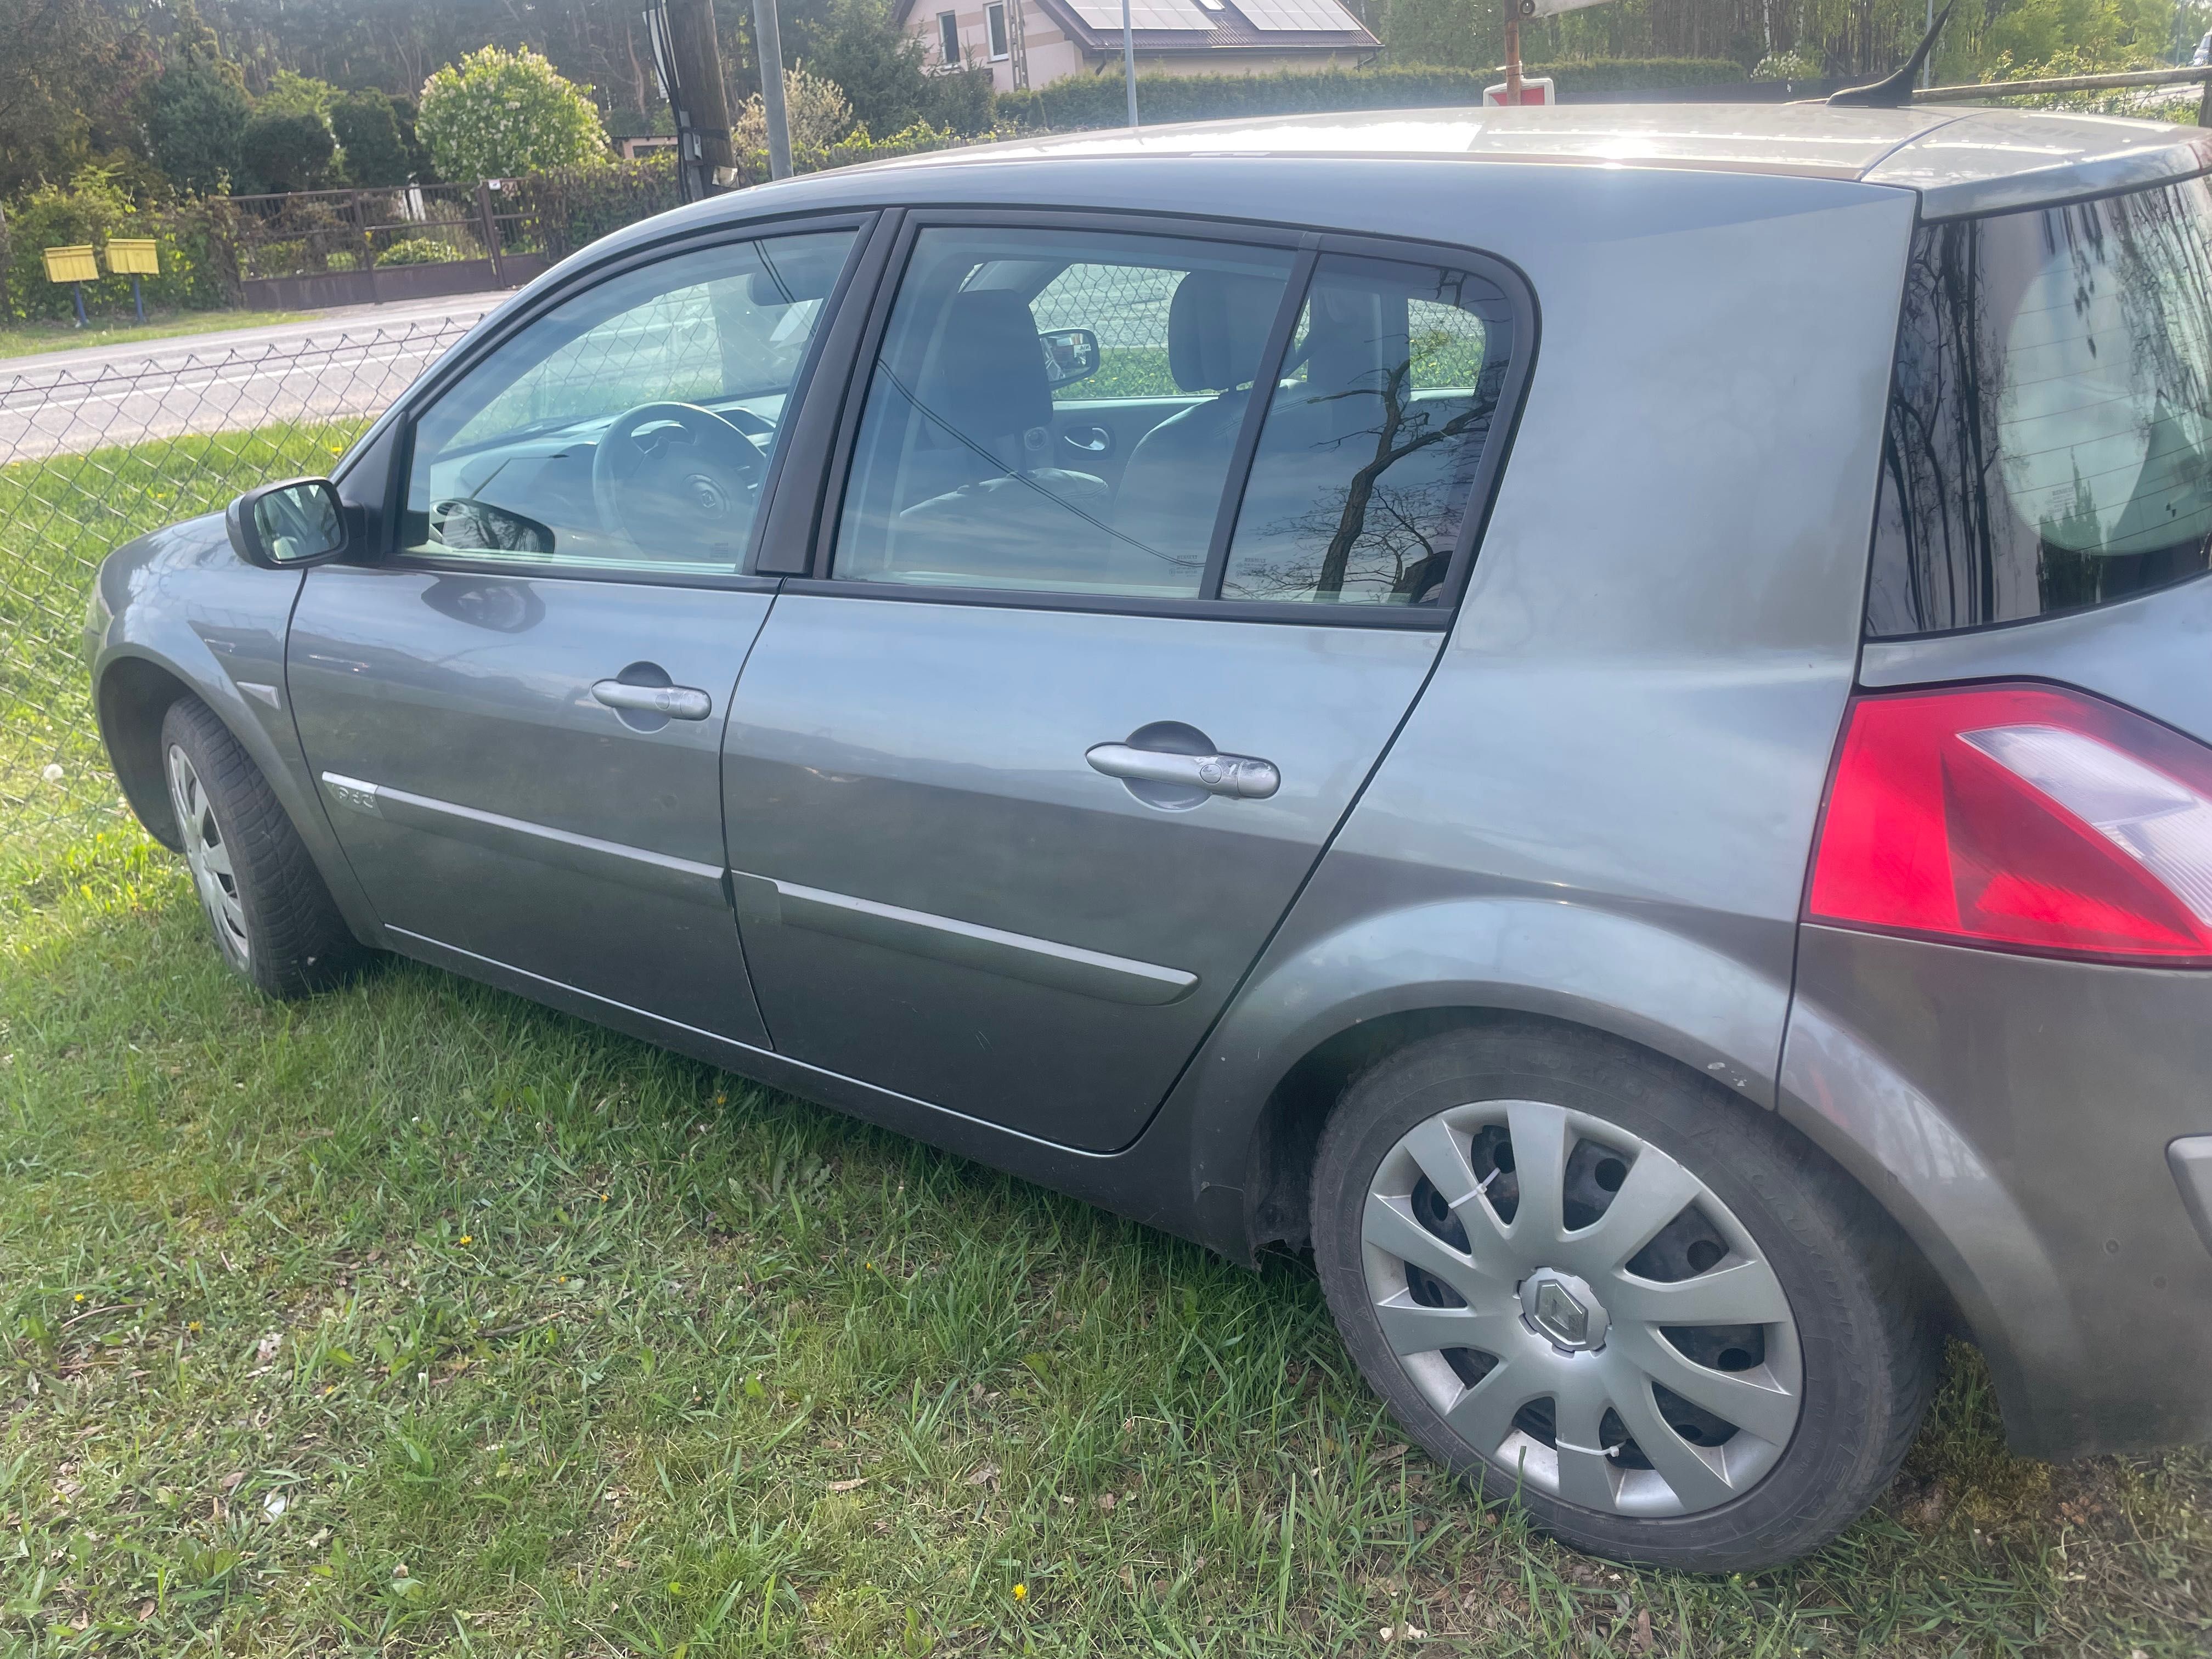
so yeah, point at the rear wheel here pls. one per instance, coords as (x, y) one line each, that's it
(273, 918)
(1582, 1277)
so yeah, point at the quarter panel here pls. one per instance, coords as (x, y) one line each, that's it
(2014, 1112)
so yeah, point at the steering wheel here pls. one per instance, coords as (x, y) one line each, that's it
(669, 476)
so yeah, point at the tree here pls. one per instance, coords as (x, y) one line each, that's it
(281, 150)
(815, 110)
(68, 71)
(195, 114)
(882, 70)
(498, 114)
(368, 127)
(292, 93)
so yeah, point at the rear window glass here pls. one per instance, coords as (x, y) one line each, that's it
(2050, 437)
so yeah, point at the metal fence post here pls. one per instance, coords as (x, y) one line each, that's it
(490, 230)
(367, 253)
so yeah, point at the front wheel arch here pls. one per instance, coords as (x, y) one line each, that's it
(133, 697)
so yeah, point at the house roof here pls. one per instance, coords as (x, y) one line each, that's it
(1253, 26)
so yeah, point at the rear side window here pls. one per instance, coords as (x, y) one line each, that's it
(2049, 436)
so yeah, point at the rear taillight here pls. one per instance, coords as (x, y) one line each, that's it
(2021, 818)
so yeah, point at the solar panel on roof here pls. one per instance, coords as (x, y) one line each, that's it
(1308, 16)
(1143, 14)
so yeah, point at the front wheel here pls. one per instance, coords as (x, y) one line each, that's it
(1587, 1280)
(274, 919)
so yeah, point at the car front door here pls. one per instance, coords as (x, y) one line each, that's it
(516, 714)
(1023, 774)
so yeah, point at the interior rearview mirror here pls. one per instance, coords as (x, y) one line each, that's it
(1070, 355)
(282, 526)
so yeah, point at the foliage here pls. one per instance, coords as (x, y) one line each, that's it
(884, 73)
(285, 150)
(195, 263)
(289, 93)
(498, 114)
(418, 250)
(68, 73)
(368, 128)
(570, 207)
(1795, 64)
(1097, 101)
(195, 114)
(815, 110)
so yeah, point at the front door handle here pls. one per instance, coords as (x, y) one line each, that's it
(1241, 777)
(676, 702)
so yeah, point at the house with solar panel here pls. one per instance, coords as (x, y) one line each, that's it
(1033, 43)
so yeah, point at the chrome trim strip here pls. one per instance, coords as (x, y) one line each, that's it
(964, 944)
(586, 855)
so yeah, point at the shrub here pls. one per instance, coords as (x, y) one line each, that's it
(286, 150)
(814, 109)
(572, 206)
(424, 251)
(196, 270)
(1099, 100)
(497, 114)
(194, 115)
(884, 74)
(369, 128)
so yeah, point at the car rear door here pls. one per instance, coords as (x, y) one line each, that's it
(516, 714)
(1028, 761)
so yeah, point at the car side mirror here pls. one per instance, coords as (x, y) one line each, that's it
(1070, 355)
(284, 526)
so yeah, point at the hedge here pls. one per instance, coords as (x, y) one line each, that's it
(1099, 100)
(197, 273)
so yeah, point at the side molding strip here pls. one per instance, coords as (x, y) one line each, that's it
(943, 939)
(586, 855)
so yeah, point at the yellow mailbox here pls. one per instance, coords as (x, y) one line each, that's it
(133, 256)
(72, 264)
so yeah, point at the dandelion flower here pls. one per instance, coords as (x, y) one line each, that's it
(1021, 1592)
(468, 1238)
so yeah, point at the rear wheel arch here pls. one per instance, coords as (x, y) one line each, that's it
(1286, 1133)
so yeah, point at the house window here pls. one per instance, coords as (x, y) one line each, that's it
(948, 37)
(995, 20)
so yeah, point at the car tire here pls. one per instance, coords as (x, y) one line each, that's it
(273, 917)
(1777, 1291)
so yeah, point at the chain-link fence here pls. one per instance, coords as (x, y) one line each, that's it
(94, 453)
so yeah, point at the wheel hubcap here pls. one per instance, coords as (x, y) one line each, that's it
(207, 855)
(1581, 1310)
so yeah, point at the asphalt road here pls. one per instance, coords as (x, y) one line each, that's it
(351, 361)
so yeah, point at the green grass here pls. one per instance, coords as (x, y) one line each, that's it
(593, 1342)
(28, 339)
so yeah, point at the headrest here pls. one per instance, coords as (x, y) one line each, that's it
(1218, 326)
(986, 378)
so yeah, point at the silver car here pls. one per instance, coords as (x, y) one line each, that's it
(1600, 715)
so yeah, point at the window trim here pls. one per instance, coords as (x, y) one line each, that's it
(847, 304)
(948, 36)
(997, 41)
(1302, 241)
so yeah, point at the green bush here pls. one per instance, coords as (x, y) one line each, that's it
(424, 251)
(196, 275)
(1099, 100)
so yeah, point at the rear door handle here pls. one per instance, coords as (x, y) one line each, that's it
(677, 702)
(1241, 777)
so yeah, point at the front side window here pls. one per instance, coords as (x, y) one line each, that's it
(2049, 436)
(631, 427)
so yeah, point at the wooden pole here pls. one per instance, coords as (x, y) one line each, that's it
(1512, 56)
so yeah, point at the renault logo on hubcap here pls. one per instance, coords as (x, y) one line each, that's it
(1560, 1308)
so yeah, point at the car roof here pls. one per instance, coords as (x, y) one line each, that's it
(1961, 158)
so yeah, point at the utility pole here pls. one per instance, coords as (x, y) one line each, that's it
(689, 63)
(1129, 61)
(768, 36)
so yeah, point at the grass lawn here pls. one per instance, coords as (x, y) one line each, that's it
(27, 339)
(417, 1319)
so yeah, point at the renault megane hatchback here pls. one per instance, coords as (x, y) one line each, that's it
(1601, 715)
